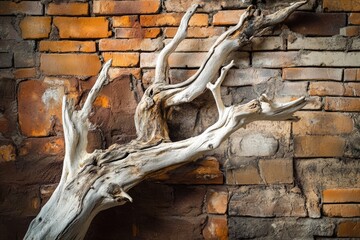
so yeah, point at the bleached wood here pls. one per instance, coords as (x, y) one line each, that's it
(92, 182)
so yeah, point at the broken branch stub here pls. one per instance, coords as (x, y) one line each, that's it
(92, 182)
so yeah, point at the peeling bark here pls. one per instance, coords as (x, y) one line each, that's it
(92, 182)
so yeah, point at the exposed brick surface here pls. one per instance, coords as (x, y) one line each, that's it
(125, 21)
(350, 31)
(312, 74)
(196, 32)
(70, 64)
(316, 43)
(23, 7)
(35, 27)
(352, 74)
(7, 153)
(348, 229)
(125, 7)
(342, 104)
(67, 46)
(84, 27)
(319, 146)
(217, 201)
(344, 5)
(243, 176)
(130, 44)
(341, 210)
(122, 59)
(354, 18)
(216, 228)
(173, 19)
(276, 171)
(228, 17)
(22, 73)
(69, 9)
(6, 60)
(341, 195)
(137, 32)
(194, 45)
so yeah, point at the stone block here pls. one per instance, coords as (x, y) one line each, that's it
(68, 9)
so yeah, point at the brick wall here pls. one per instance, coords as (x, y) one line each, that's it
(272, 180)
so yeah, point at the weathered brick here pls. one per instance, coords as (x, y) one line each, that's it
(7, 153)
(355, 44)
(6, 45)
(67, 46)
(22, 73)
(342, 104)
(176, 75)
(23, 7)
(341, 210)
(182, 6)
(267, 43)
(173, 19)
(312, 74)
(125, 21)
(82, 27)
(116, 72)
(350, 31)
(194, 45)
(343, 5)
(137, 32)
(216, 201)
(7, 30)
(314, 58)
(135, 44)
(126, 7)
(6, 60)
(196, 32)
(334, 21)
(341, 195)
(268, 202)
(70, 64)
(348, 229)
(319, 146)
(35, 27)
(292, 89)
(352, 89)
(322, 123)
(352, 74)
(354, 18)
(216, 228)
(244, 175)
(122, 59)
(323, 43)
(326, 89)
(227, 17)
(68, 9)
(249, 76)
(276, 171)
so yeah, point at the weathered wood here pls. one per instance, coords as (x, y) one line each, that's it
(92, 182)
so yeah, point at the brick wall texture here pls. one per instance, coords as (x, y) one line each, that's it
(272, 180)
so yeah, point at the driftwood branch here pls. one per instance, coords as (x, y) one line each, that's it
(92, 182)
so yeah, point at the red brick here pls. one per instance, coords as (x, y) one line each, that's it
(341, 195)
(173, 19)
(243, 176)
(342, 104)
(70, 64)
(276, 171)
(68, 9)
(348, 229)
(126, 7)
(217, 201)
(350, 31)
(22, 73)
(319, 146)
(354, 18)
(35, 27)
(7, 153)
(24, 7)
(82, 27)
(227, 17)
(135, 44)
(352, 74)
(312, 74)
(67, 46)
(322, 123)
(216, 228)
(343, 5)
(341, 210)
(125, 21)
(334, 21)
(352, 89)
(122, 59)
(196, 32)
(326, 89)
(137, 32)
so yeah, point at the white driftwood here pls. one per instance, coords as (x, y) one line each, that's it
(92, 182)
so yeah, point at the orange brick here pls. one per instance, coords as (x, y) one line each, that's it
(196, 32)
(122, 59)
(68, 9)
(135, 44)
(244, 175)
(343, 5)
(352, 74)
(227, 17)
(348, 229)
(82, 27)
(24, 7)
(67, 46)
(22, 73)
(173, 19)
(322, 123)
(319, 146)
(216, 228)
(35, 27)
(341, 210)
(125, 7)
(326, 89)
(7, 153)
(276, 171)
(350, 31)
(70, 64)
(354, 18)
(342, 104)
(217, 201)
(137, 32)
(125, 21)
(341, 195)
(312, 74)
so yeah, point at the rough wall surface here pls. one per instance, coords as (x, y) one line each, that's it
(272, 180)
